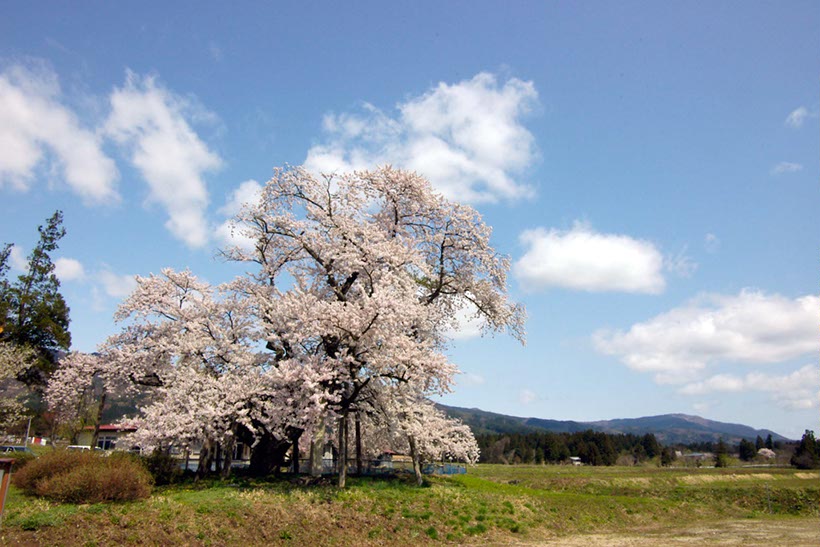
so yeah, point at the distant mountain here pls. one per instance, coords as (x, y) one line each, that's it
(668, 428)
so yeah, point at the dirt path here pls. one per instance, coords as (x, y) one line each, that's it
(796, 532)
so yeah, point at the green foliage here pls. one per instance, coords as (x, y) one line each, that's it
(21, 459)
(668, 456)
(33, 313)
(807, 454)
(85, 477)
(163, 467)
(747, 450)
(721, 454)
(593, 447)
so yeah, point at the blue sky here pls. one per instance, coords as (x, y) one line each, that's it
(651, 170)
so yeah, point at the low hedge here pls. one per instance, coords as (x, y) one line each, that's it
(85, 477)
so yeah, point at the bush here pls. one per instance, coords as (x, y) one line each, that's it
(163, 467)
(20, 459)
(85, 477)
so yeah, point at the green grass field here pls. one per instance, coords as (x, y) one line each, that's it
(491, 504)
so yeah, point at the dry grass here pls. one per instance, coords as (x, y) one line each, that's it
(490, 505)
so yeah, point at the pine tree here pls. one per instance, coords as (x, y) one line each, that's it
(721, 454)
(33, 313)
(807, 455)
(747, 450)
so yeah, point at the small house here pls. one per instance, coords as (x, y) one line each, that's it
(107, 437)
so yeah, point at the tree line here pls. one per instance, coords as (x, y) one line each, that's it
(592, 447)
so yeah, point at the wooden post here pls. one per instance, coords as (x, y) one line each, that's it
(5, 478)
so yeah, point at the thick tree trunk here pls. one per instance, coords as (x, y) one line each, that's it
(358, 445)
(317, 450)
(227, 457)
(268, 455)
(416, 463)
(342, 450)
(294, 453)
(206, 458)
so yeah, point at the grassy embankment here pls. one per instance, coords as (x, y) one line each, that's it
(491, 504)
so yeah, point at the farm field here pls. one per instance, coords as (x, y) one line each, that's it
(492, 504)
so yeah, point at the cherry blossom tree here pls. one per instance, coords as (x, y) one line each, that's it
(363, 274)
(356, 281)
(14, 359)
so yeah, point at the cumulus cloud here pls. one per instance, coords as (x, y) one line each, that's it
(35, 127)
(798, 116)
(583, 259)
(68, 269)
(467, 138)
(786, 167)
(117, 286)
(226, 233)
(152, 124)
(750, 327)
(796, 391)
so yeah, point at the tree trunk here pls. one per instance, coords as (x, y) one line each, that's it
(317, 450)
(206, 458)
(294, 452)
(343, 450)
(358, 445)
(268, 455)
(416, 463)
(227, 460)
(98, 421)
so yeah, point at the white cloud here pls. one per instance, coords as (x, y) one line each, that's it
(68, 269)
(796, 391)
(786, 167)
(583, 259)
(246, 193)
(798, 116)
(17, 259)
(32, 121)
(117, 286)
(468, 323)
(711, 243)
(750, 327)
(150, 122)
(467, 138)
(527, 396)
(680, 264)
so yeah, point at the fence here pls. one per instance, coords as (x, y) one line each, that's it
(384, 467)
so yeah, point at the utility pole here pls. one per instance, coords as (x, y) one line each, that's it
(28, 430)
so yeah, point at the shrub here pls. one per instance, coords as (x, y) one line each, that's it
(20, 459)
(163, 467)
(85, 477)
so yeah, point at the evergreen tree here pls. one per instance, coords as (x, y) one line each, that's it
(721, 454)
(769, 442)
(807, 455)
(667, 456)
(759, 443)
(747, 450)
(33, 313)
